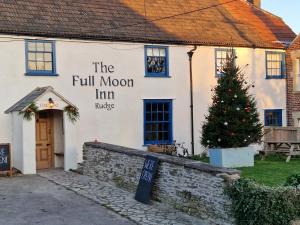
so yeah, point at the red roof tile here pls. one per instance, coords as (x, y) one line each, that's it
(234, 22)
(295, 44)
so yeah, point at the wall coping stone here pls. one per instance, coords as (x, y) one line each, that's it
(201, 166)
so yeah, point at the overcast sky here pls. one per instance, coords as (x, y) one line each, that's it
(289, 10)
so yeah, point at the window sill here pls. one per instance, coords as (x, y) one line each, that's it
(157, 76)
(41, 75)
(275, 77)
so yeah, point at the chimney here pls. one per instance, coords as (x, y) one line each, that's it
(257, 3)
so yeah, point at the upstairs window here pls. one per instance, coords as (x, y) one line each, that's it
(275, 65)
(156, 59)
(40, 58)
(273, 117)
(222, 54)
(158, 122)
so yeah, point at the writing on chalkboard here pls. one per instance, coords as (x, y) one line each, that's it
(5, 158)
(146, 180)
(147, 174)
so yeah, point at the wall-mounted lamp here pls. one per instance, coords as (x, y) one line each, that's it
(51, 103)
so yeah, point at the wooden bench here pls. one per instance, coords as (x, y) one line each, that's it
(284, 140)
(290, 148)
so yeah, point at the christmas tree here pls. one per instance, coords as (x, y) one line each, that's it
(233, 120)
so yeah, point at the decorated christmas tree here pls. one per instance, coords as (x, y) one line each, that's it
(233, 120)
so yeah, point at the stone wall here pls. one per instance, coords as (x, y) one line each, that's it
(190, 186)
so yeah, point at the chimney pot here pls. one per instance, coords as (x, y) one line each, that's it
(257, 3)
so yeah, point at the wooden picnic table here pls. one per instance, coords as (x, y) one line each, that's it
(290, 148)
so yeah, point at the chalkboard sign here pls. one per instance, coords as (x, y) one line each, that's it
(5, 158)
(146, 180)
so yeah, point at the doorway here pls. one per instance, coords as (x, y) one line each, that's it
(44, 140)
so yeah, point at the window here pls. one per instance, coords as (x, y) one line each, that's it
(158, 122)
(275, 65)
(273, 117)
(156, 59)
(40, 58)
(221, 55)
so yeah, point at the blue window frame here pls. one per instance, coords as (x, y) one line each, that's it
(221, 55)
(40, 58)
(275, 65)
(158, 128)
(273, 117)
(156, 61)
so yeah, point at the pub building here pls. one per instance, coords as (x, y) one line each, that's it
(78, 71)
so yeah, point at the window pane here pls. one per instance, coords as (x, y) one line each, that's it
(269, 57)
(155, 52)
(31, 65)
(48, 47)
(48, 65)
(39, 57)
(31, 56)
(48, 57)
(148, 127)
(149, 52)
(31, 46)
(40, 66)
(40, 46)
(162, 52)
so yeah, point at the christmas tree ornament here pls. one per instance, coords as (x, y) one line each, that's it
(208, 141)
(219, 140)
(235, 96)
(226, 123)
(222, 101)
(238, 109)
(245, 140)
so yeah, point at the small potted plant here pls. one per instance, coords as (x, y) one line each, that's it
(232, 123)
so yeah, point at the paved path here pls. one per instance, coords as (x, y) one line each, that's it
(30, 200)
(119, 200)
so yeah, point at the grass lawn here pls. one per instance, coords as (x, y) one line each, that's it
(272, 172)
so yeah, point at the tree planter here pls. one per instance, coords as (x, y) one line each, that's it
(232, 157)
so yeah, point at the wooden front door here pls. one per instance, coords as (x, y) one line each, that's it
(44, 140)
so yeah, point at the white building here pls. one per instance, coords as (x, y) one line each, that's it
(128, 74)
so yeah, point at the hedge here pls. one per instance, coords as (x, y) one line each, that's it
(254, 204)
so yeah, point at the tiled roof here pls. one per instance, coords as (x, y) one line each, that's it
(28, 99)
(295, 44)
(34, 96)
(234, 22)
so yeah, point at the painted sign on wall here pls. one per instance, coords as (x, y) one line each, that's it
(5, 158)
(105, 83)
(144, 189)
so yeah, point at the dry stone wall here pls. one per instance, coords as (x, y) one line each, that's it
(192, 187)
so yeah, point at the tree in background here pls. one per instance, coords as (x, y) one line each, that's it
(233, 120)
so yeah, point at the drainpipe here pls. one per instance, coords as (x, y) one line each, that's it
(190, 54)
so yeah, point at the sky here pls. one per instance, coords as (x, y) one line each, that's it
(288, 10)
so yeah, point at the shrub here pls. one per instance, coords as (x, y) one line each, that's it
(293, 180)
(253, 204)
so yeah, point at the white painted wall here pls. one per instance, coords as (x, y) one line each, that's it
(124, 124)
(59, 138)
(23, 144)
